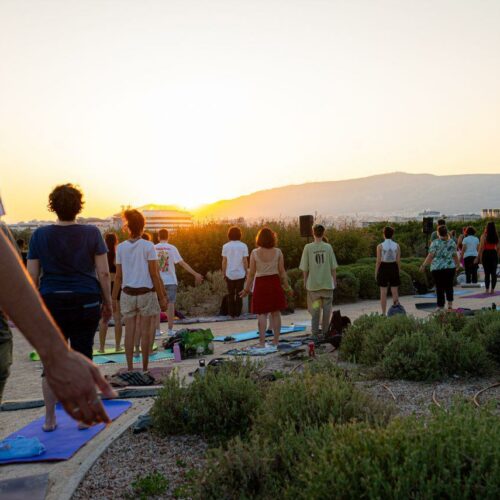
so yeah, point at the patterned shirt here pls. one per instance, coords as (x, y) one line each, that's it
(443, 251)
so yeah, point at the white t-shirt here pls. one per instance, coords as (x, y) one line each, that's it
(389, 251)
(235, 251)
(168, 256)
(471, 243)
(134, 258)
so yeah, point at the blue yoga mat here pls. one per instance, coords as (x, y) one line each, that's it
(121, 358)
(67, 439)
(254, 334)
(434, 296)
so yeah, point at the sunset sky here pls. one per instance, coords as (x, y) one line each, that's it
(187, 102)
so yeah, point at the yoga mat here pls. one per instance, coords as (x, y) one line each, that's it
(107, 351)
(254, 334)
(20, 488)
(426, 305)
(483, 295)
(214, 319)
(434, 296)
(121, 358)
(67, 439)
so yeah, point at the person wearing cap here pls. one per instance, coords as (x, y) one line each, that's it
(319, 265)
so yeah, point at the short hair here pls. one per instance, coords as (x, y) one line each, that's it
(388, 232)
(318, 230)
(66, 201)
(234, 233)
(163, 234)
(266, 238)
(135, 222)
(20, 242)
(470, 231)
(441, 222)
(442, 231)
(146, 236)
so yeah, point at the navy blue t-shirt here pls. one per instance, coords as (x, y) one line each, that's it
(67, 257)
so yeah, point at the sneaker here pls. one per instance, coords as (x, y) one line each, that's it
(159, 333)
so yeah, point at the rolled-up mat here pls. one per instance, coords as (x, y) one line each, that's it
(66, 439)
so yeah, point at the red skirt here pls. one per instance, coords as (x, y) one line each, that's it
(268, 295)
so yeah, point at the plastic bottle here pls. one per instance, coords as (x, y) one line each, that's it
(177, 353)
(202, 369)
(312, 352)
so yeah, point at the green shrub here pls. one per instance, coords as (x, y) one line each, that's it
(300, 294)
(354, 337)
(347, 290)
(294, 275)
(367, 260)
(312, 399)
(150, 486)
(216, 406)
(452, 455)
(410, 357)
(406, 287)
(418, 278)
(449, 455)
(382, 334)
(368, 288)
(350, 244)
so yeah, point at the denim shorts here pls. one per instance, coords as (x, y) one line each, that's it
(171, 291)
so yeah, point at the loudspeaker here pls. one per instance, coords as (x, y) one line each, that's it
(306, 225)
(427, 225)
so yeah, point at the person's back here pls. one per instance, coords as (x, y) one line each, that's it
(471, 244)
(266, 261)
(133, 257)
(168, 256)
(235, 251)
(67, 257)
(389, 250)
(318, 259)
(444, 251)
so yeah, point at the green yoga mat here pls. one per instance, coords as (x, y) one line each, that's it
(110, 350)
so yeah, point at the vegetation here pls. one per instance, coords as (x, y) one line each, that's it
(408, 348)
(150, 486)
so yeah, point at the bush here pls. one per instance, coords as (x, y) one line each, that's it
(312, 399)
(368, 288)
(347, 290)
(410, 357)
(217, 406)
(449, 455)
(417, 277)
(350, 244)
(354, 337)
(300, 294)
(367, 260)
(406, 287)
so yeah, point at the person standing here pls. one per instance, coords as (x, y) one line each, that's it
(387, 268)
(435, 235)
(234, 268)
(319, 267)
(142, 295)
(443, 260)
(111, 242)
(489, 249)
(168, 257)
(70, 262)
(267, 267)
(470, 252)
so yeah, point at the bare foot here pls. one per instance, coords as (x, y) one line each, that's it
(50, 424)
(82, 426)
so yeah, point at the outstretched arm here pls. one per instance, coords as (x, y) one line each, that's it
(72, 377)
(197, 276)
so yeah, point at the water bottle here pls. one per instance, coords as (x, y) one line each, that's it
(202, 369)
(312, 352)
(177, 353)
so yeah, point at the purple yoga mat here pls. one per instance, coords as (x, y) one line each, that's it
(482, 295)
(67, 439)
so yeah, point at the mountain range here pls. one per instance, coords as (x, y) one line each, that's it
(387, 194)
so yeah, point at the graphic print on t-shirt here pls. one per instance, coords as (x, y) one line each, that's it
(319, 257)
(163, 261)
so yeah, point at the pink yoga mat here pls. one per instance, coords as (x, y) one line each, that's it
(482, 295)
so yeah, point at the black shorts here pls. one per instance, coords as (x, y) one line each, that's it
(388, 275)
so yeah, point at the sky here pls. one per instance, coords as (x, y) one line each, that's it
(188, 102)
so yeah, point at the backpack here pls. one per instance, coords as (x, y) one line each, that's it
(338, 324)
(396, 309)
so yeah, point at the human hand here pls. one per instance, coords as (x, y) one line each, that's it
(198, 279)
(421, 268)
(243, 293)
(106, 312)
(74, 378)
(163, 304)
